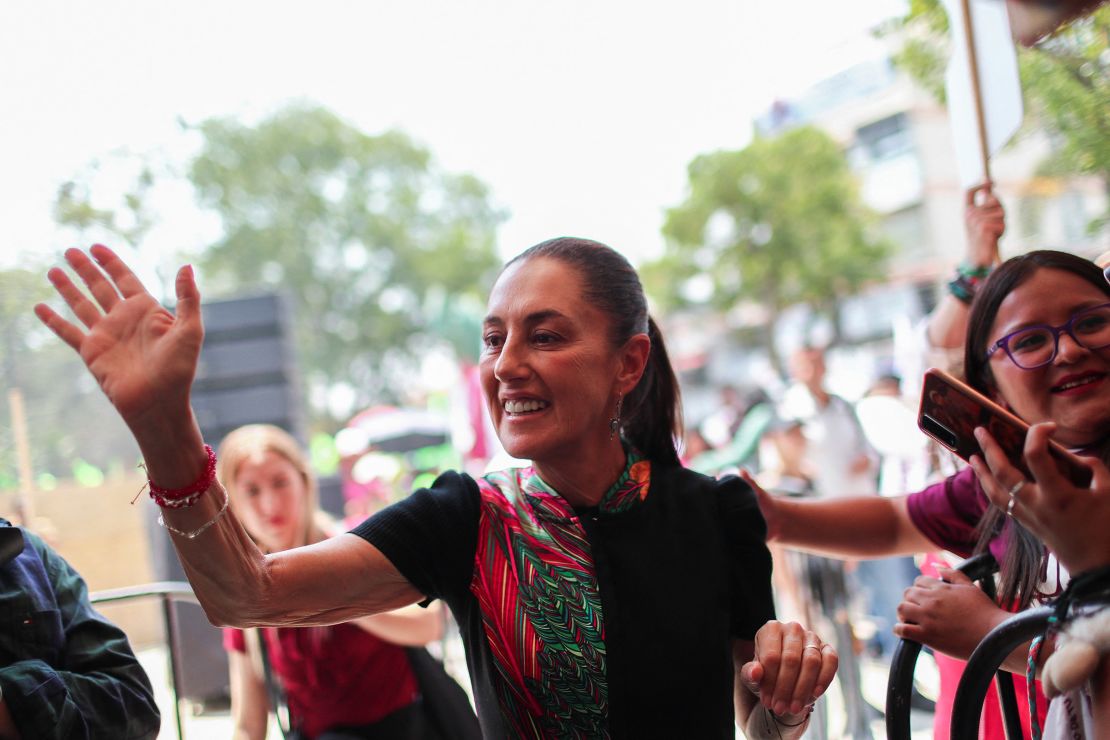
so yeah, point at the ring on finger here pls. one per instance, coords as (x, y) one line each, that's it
(1014, 490)
(812, 646)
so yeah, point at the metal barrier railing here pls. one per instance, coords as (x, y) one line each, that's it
(167, 592)
(980, 568)
(984, 663)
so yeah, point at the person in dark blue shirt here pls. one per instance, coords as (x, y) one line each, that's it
(65, 671)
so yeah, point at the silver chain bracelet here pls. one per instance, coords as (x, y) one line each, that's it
(199, 530)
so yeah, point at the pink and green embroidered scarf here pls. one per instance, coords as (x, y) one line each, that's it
(537, 589)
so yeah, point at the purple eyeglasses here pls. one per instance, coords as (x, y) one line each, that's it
(1035, 346)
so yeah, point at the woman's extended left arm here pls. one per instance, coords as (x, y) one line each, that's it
(338, 580)
(778, 678)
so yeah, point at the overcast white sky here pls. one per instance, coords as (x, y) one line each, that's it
(580, 115)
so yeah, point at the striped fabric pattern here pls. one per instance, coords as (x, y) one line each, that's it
(537, 589)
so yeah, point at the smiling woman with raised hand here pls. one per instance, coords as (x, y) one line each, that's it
(601, 591)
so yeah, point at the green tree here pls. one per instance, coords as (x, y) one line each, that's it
(1065, 79)
(778, 223)
(363, 231)
(129, 220)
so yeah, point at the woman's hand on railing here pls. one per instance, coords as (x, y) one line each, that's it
(950, 615)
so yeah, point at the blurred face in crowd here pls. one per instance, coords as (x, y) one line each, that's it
(548, 367)
(807, 366)
(271, 499)
(1073, 389)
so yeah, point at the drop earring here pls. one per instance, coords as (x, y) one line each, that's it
(615, 422)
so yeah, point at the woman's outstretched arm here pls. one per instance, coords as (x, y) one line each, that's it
(850, 527)
(145, 358)
(338, 580)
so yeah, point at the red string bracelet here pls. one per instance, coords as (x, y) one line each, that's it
(179, 498)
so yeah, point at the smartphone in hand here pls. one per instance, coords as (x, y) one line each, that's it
(951, 410)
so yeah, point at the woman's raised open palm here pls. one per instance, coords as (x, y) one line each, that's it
(143, 356)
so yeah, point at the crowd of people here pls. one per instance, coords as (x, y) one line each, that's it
(606, 587)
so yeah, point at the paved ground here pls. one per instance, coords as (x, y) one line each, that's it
(209, 726)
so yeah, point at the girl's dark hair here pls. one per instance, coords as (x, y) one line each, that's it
(1021, 566)
(651, 415)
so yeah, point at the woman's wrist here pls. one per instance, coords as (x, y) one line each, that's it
(792, 720)
(173, 450)
(764, 723)
(969, 276)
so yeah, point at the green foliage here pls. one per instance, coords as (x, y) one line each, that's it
(323, 454)
(363, 231)
(130, 220)
(1068, 81)
(383, 254)
(779, 222)
(1065, 78)
(923, 32)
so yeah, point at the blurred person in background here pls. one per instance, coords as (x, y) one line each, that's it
(838, 455)
(750, 418)
(349, 680)
(720, 426)
(889, 423)
(838, 460)
(782, 472)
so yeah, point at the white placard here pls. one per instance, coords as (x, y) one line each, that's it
(999, 84)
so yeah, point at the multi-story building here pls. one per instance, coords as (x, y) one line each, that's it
(897, 138)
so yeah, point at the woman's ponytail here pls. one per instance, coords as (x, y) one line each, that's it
(653, 422)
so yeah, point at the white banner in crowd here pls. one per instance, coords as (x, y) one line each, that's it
(999, 84)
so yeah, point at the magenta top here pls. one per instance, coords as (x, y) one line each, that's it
(948, 512)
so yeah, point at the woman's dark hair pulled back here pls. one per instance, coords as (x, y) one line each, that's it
(1020, 569)
(651, 415)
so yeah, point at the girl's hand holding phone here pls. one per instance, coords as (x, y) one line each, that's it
(951, 410)
(1073, 521)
